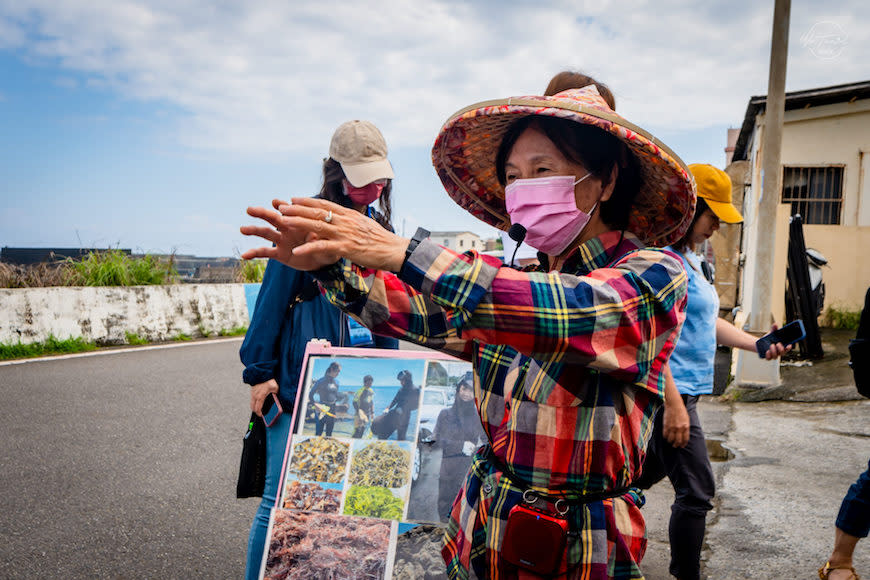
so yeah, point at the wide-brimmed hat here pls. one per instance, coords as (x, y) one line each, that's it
(465, 151)
(361, 150)
(714, 186)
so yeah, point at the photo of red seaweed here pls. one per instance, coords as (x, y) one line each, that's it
(311, 496)
(315, 546)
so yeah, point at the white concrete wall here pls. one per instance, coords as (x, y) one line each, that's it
(105, 314)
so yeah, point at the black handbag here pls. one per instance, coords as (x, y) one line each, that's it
(859, 350)
(252, 470)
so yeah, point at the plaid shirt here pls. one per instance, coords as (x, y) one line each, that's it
(567, 382)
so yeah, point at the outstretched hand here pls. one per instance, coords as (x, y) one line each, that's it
(285, 238)
(312, 233)
(776, 349)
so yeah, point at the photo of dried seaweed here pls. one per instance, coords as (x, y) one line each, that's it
(319, 459)
(312, 496)
(381, 464)
(316, 546)
(373, 502)
(418, 553)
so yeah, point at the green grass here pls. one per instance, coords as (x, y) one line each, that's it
(134, 339)
(52, 345)
(843, 319)
(237, 331)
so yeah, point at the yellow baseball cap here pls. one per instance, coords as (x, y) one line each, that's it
(714, 186)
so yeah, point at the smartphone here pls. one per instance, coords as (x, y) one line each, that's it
(271, 410)
(788, 334)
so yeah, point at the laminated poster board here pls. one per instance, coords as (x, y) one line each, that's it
(370, 500)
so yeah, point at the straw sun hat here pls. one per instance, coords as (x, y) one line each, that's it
(465, 150)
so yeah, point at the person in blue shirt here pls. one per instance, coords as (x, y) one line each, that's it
(290, 310)
(677, 448)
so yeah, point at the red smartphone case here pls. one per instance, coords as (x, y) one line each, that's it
(273, 411)
(534, 540)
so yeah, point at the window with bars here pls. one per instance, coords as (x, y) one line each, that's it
(816, 193)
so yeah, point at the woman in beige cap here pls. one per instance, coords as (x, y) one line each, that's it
(356, 174)
(677, 448)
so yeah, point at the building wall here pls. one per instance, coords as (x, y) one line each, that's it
(833, 135)
(847, 275)
(837, 135)
(458, 241)
(829, 135)
(726, 243)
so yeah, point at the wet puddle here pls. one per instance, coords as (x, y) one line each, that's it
(718, 451)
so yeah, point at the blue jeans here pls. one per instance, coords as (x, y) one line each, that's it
(854, 516)
(276, 444)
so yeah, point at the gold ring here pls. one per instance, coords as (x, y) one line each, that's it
(328, 218)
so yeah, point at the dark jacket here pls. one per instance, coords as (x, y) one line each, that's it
(275, 342)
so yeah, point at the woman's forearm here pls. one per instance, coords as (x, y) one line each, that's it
(729, 335)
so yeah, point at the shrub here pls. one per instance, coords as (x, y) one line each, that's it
(115, 268)
(250, 271)
(843, 319)
(33, 276)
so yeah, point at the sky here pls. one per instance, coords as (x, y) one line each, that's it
(152, 125)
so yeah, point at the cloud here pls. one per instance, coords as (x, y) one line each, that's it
(276, 77)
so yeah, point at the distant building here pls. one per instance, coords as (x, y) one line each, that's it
(458, 241)
(196, 269)
(29, 256)
(826, 179)
(493, 245)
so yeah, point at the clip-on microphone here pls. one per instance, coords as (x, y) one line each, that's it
(517, 233)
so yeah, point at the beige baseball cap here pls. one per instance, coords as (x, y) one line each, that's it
(362, 152)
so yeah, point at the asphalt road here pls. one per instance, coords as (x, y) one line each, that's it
(124, 465)
(778, 496)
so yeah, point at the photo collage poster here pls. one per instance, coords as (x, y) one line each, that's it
(380, 444)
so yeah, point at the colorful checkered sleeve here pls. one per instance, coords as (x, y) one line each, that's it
(616, 319)
(390, 307)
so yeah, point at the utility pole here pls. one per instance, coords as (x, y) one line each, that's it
(771, 170)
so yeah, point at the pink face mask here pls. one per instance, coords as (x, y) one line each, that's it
(366, 194)
(546, 207)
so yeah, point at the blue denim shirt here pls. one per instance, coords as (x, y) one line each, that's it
(275, 342)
